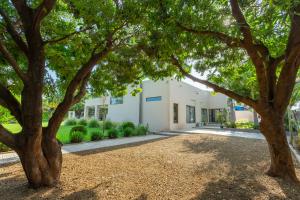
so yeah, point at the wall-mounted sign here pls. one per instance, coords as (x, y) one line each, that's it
(158, 98)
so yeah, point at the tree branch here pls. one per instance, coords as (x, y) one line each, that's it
(13, 33)
(77, 83)
(245, 100)
(288, 74)
(42, 11)
(258, 52)
(228, 40)
(10, 59)
(53, 41)
(8, 101)
(7, 138)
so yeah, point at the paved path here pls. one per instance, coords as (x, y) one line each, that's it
(251, 135)
(13, 157)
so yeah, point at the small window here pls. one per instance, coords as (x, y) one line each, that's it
(158, 98)
(190, 114)
(175, 113)
(116, 100)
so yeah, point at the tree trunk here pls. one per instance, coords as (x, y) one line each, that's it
(281, 159)
(41, 161)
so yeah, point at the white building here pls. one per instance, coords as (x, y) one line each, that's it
(163, 105)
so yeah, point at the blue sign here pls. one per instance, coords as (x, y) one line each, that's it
(239, 108)
(153, 99)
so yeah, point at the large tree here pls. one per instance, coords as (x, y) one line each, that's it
(58, 44)
(249, 49)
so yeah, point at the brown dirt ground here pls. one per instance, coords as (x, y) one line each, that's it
(183, 167)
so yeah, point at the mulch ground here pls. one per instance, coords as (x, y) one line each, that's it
(183, 167)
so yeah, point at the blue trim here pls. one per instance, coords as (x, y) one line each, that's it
(158, 98)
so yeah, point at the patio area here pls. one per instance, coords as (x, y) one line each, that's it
(193, 166)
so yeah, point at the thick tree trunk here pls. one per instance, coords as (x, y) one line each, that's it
(281, 159)
(41, 161)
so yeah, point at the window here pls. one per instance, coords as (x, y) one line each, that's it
(175, 113)
(116, 100)
(190, 114)
(158, 98)
(204, 115)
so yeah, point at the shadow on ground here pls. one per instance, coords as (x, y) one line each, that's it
(241, 177)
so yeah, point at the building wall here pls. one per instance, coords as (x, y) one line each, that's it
(155, 114)
(128, 111)
(244, 115)
(184, 94)
(158, 115)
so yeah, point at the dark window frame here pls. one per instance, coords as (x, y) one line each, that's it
(190, 114)
(175, 113)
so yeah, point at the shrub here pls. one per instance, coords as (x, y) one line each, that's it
(230, 125)
(79, 128)
(128, 131)
(4, 148)
(125, 125)
(93, 124)
(108, 124)
(256, 126)
(76, 136)
(70, 122)
(141, 130)
(82, 122)
(97, 135)
(112, 133)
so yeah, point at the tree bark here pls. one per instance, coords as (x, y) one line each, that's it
(41, 160)
(281, 159)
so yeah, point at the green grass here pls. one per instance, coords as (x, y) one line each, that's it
(63, 133)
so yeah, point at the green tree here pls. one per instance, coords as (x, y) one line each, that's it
(55, 46)
(241, 45)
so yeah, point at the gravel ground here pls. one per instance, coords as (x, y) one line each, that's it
(182, 167)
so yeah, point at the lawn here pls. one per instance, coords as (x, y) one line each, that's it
(62, 134)
(194, 166)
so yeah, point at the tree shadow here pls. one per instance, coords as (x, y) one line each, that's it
(116, 147)
(239, 169)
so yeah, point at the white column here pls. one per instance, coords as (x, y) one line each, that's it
(96, 112)
(85, 113)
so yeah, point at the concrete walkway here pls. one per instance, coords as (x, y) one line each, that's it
(217, 131)
(71, 148)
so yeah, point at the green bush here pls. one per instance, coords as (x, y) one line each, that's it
(97, 135)
(128, 131)
(112, 133)
(79, 128)
(76, 136)
(82, 122)
(256, 126)
(125, 125)
(108, 124)
(4, 148)
(141, 130)
(70, 122)
(230, 125)
(245, 125)
(93, 124)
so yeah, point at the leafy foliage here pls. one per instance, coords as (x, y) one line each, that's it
(76, 136)
(97, 135)
(93, 123)
(70, 122)
(82, 122)
(79, 128)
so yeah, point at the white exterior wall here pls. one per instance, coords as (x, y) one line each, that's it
(184, 94)
(155, 114)
(217, 101)
(244, 115)
(158, 115)
(128, 111)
